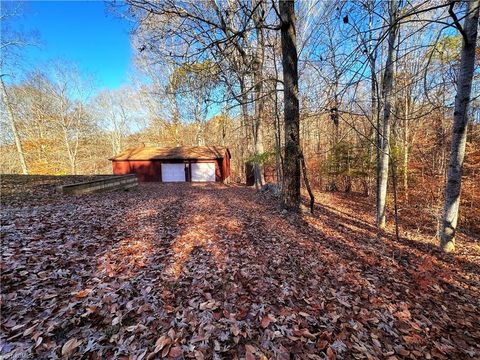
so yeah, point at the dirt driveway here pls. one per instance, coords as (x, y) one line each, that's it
(221, 272)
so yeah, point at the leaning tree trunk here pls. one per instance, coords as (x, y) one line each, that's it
(291, 170)
(11, 115)
(460, 120)
(387, 104)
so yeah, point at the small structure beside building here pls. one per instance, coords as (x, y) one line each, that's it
(269, 173)
(177, 164)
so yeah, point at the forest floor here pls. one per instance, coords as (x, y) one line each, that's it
(221, 272)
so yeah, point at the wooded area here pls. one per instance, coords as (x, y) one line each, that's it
(365, 111)
(381, 93)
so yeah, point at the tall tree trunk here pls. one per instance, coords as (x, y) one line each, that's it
(70, 153)
(278, 131)
(246, 143)
(406, 140)
(387, 86)
(11, 115)
(459, 136)
(374, 104)
(199, 136)
(258, 89)
(374, 136)
(291, 171)
(278, 145)
(336, 134)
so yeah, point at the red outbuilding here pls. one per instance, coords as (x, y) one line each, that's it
(177, 164)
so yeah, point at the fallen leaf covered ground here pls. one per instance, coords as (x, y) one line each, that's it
(220, 272)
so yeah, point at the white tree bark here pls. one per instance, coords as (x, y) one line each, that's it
(459, 136)
(258, 89)
(16, 136)
(387, 86)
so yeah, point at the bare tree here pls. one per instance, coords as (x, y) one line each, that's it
(387, 86)
(13, 125)
(229, 34)
(291, 170)
(69, 93)
(113, 109)
(460, 120)
(10, 43)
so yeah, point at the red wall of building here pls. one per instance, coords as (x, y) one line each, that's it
(226, 167)
(148, 171)
(145, 170)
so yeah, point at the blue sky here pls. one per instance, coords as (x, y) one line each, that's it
(82, 32)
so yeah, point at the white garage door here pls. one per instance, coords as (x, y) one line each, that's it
(203, 171)
(173, 172)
